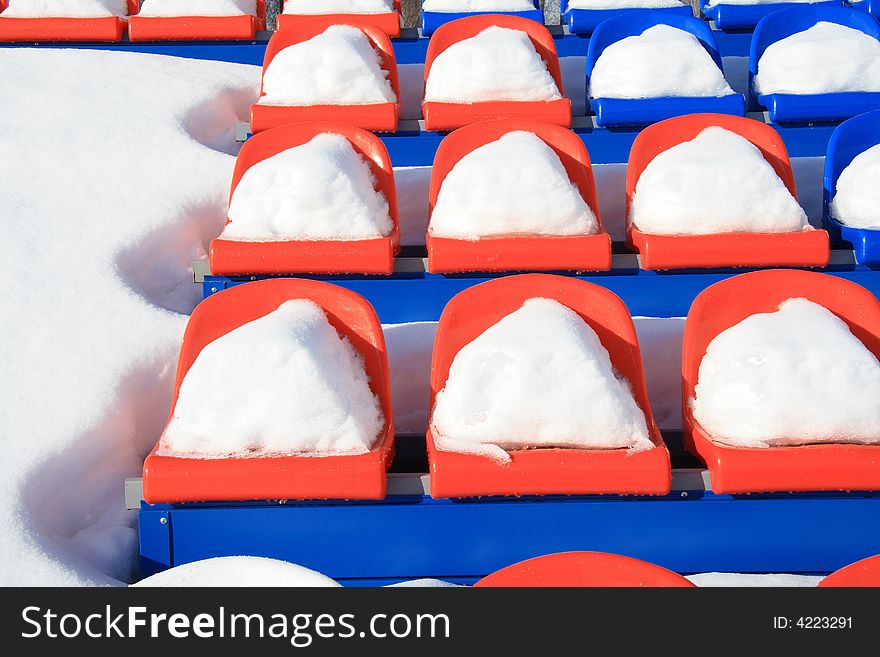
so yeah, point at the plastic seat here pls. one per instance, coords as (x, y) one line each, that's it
(370, 256)
(197, 28)
(870, 6)
(518, 253)
(556, 470)
(583, 569)
(823, 467)
(862, 573)
(745, 17)
(584, 21)
(379, 117)
(786, 108)
(848, 140)
(388, 22)
(615, 112)
(433, 20)
(809, 248)
(449, 116)
(173, 480)
(107, 28)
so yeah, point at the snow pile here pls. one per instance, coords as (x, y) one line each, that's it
(540, 377)
(502, 188)
(790, 377)
(497, 64)
(153, 8)
(65, 8)
(337, 67)
(467, 6)
(283, 384)
(320, 190)
(623, 4)
(826, 58)
(238, 572)
(719, 182)
(856, 199)
(338, 6)
(661, 61)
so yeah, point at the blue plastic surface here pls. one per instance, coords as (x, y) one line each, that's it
(849, 139)
(584, 21)
(744, 17)
(810, 107)
(870, 6)
(431, 20)
(642, 111)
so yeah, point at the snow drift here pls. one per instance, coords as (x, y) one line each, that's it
(856, 199)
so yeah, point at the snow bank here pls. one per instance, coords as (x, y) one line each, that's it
(467, 6)
(502, 189)
(540, 377)
(283, 384)
(856, 199)
(338, 6)
(238, 572)
(661, 61)
(826, 58)
(337, 67)
(623, 4)
(497, 64)
(320, 190)
(790, 377)
(719, 182)
(151, 8)
(65, 8)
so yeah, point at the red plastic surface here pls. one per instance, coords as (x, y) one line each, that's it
(862, 573)
(389, 22)
(197, 28)
(108, 28)
(809, 248)
(583, 569)
(448, 116)
(172, 480)
(800, 468)
(546, 471)
(522, 253)
(373, 256)
(380, 117)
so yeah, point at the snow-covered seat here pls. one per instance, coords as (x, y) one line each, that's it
(545, 471)
(433, 20)
(744, 16)
(49, 29)
(863, 573)
(198, 28)
(172, 479)
(388, 22)
(806, 248)
(809, 467)
(583, 20)
(521, 252)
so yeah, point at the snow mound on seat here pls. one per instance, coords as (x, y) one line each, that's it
(791, 377)
(826, 58)
(540, 377)
(499, 63)
(719, 182)
(337, 67)
(65, 8)
(320, 190)
(661, 61)
(467, 6)
(338, 7)
(238, 572)
(283, 384)
(502, 189)
(623, 4)
(856, 199)
(154, 8)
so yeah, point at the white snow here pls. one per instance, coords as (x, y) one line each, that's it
(540, 377)
(286, 383)
(304, 7)
(238, 572)
(338, 67)
(467, 6)
(715, 3)
(409, 348)
(748, 579)
(412, 185)
(499, 63)
(501, 189)
(622, 4)
(719, 182)
(826, 58)
(790, 377)
(65, 8)
(425, 583)
(661, 61)
(153, 8)
(856, 199)
(320, 190)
